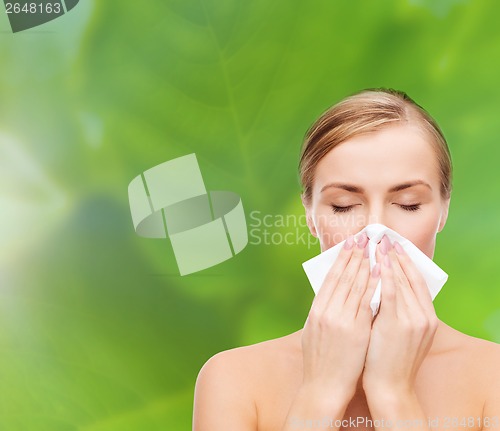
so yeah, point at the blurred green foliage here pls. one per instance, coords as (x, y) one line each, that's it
(97, 330)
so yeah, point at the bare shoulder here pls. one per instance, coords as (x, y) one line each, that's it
(484, 351)
(484, 357)
(233, 381)
(474, 359)
(459, 344)
(243, 364)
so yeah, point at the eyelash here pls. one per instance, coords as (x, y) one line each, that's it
(337, 209)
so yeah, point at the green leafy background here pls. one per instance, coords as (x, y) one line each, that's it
(98, 332)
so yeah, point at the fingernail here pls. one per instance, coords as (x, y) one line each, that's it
(365, 253)
(376, 270)
(387, 261)
(362, 240)
(349, 242)
(399, 249)
(383, 245)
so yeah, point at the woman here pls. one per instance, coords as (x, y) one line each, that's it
(375, 157)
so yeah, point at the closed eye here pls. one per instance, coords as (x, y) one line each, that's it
(336, 209)
(414, 207)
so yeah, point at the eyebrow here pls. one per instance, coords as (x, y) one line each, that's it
(356, 189)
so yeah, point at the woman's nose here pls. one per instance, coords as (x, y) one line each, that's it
(376, 215)
(375, 218)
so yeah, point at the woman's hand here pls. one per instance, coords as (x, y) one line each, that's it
(404, 328)
(337, 330)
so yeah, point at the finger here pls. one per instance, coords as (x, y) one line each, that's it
(332, 277)
(402, 288)
(388, 295)
(415, 315)
(404, 292)
(359, 286)
(339, 295)
(381, 253)
(364, 309)
(416, 279)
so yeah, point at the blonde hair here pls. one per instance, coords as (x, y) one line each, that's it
(364, 112)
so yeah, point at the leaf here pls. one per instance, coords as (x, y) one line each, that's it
(98, 331)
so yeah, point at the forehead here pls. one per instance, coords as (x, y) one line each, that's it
(383, 158)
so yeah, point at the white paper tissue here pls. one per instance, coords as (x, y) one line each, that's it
(317, 267)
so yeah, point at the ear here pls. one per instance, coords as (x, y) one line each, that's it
(444, 214)
(309, 219)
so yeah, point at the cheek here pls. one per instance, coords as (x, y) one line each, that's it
(331, 230)
(425, 240)
(422, 232)
(331, 237)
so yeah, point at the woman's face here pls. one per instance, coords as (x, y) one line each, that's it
(390, 177)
